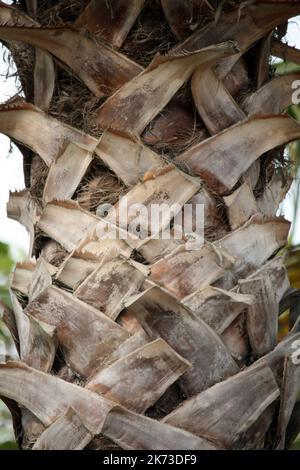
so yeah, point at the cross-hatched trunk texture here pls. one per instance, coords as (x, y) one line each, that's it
(146, 343)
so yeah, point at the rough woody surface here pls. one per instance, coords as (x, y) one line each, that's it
(146, 343)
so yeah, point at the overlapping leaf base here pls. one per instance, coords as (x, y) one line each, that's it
(147, 344)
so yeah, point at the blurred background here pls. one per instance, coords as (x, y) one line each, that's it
(14, 241)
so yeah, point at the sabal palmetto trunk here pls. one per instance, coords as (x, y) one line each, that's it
(145, 343)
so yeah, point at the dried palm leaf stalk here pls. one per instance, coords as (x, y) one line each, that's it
(25, 209)
(221, 113)
(201, 414)
(44, 135)
(110, 22)
(96, 58)
(273, 97)
(65, 314)
(286, 52)
(44, 71)
(184, 16)
(37, 339)
(222, 159)
(161, 315)
(152, 90)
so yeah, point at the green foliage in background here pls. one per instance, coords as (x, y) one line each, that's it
(285, 67)
(6, 264)
(7, 441)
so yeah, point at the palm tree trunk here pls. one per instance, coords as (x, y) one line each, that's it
(146, 342)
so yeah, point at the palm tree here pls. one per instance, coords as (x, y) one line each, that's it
(146, 343)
